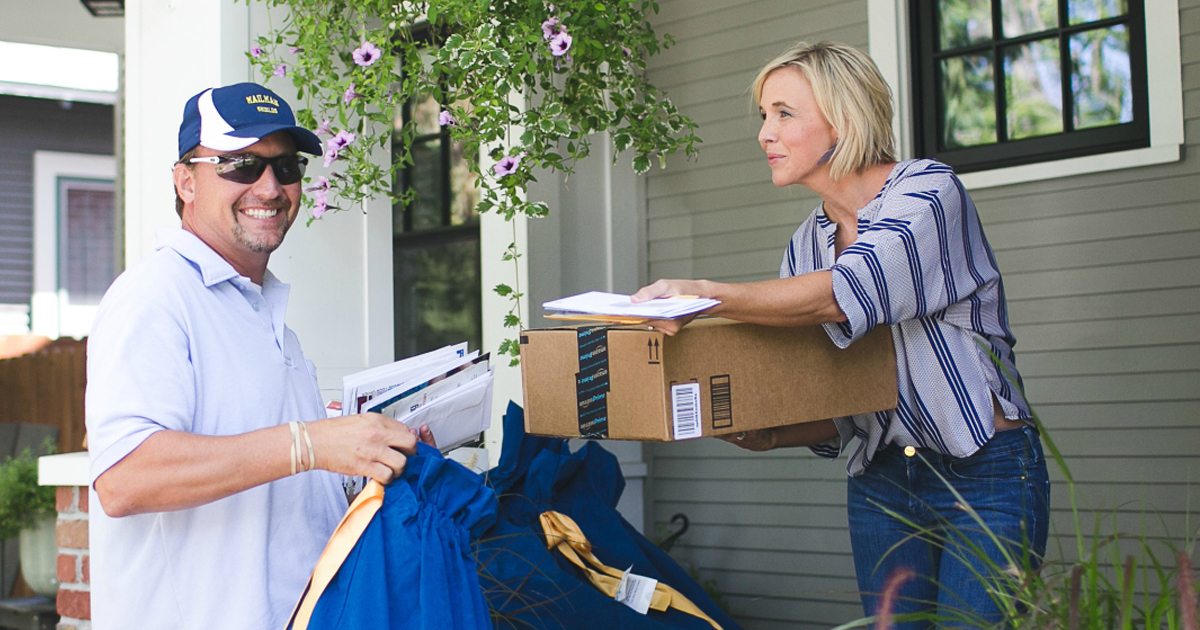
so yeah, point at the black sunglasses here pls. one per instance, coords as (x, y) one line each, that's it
(246, 169)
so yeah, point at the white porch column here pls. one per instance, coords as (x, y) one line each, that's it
(593, 240)
(495, 234)
(173, 49)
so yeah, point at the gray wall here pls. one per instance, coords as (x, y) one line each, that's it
(28, 125)
(1100, 272)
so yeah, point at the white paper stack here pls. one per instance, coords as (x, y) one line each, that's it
(448, 389)
(616, 307)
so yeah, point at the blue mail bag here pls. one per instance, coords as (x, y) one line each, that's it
(531, 586)
(412, 567)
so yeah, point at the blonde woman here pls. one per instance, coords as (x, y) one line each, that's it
(896, 244)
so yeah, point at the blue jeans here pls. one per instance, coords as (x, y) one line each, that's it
(1007, 485)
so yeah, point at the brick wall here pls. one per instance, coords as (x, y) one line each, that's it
(74, 590)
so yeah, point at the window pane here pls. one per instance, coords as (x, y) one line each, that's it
(1100, 77)
(90, 260)
(425, 179)
(425, 114)
(969, 89)
(1034, 89)
(437, 295)
(464, 189)
(964, 22)
(1080, 11)
(1022, 17)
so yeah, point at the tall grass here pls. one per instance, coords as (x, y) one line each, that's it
(1118, 581)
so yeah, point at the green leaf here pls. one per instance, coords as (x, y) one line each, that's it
(503, 290)
(622, 141)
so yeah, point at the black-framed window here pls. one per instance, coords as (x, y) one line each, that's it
(1007, 82)
(435, 239)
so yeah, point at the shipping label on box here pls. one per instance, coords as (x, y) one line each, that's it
(714, 377)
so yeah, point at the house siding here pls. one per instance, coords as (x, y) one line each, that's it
(28, 125)
(1100, 272)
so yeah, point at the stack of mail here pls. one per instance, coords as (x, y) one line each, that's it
(618, 308)
(448, 389)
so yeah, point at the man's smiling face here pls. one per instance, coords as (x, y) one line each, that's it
(243, 223)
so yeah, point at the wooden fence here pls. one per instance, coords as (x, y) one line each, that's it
(46, 387)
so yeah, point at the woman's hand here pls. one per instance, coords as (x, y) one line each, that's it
(787, 436)
(668, 288)
(760, 440)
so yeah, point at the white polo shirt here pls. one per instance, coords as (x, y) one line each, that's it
(182, 342)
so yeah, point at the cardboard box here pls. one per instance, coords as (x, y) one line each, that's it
(714, 377)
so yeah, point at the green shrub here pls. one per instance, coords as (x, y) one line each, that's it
(22, 501)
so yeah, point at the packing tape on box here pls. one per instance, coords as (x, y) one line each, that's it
(592, 382)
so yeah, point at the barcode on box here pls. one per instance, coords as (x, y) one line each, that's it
(722, 401)
(685, 410)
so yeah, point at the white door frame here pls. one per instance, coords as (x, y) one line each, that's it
(48, 316)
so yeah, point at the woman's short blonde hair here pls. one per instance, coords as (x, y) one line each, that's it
(852, 96)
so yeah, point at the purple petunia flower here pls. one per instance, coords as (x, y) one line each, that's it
(293, 49)
(560, 44)
(323, 127)
(280, 70)
(628, 53)
(322, 183)
(336, 144)
(350, 95)
(549, 28)
(255, 51)
(366, 54)
(320, 203)
(341, 140)
(445, 119)
(507, 165)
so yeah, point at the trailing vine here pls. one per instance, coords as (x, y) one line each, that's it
(526, 81)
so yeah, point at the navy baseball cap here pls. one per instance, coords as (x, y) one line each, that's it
(236, 116)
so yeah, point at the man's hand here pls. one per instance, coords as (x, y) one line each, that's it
(426, 435)
(366, 445)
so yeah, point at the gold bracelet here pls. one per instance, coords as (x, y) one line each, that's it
(295, 447)
(312, 459)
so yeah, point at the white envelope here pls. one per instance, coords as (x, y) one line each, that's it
(459, 416)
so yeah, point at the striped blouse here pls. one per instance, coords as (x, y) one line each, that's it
(921, 265)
